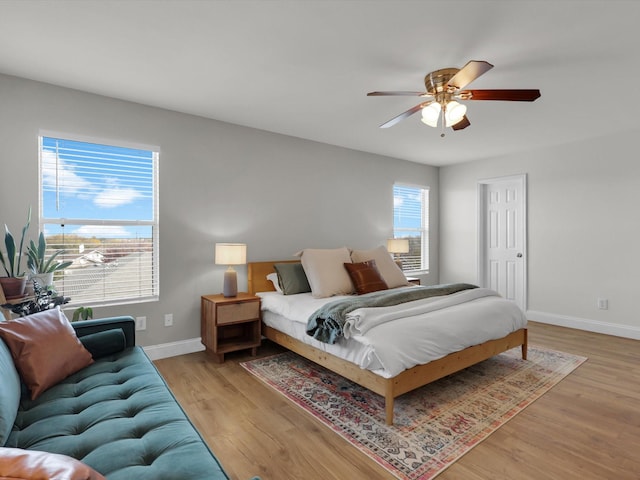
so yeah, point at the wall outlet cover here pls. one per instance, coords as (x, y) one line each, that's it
(141, 323)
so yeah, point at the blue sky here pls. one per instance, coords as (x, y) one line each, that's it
(96, 182)
(407, 211)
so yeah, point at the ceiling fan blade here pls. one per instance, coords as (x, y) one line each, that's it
(464, 123)
(404, 115)
(522, 95)
(380, 94)
(469, 73)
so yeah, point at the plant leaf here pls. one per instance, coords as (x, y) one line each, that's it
(32, 257)
(24, 233)
(3, 264)
(42, 245)
(49, 266)
(10, 245)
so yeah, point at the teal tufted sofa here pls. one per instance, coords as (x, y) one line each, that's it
(117, 415)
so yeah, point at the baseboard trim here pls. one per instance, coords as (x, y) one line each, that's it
(173, 349)
(626, 331)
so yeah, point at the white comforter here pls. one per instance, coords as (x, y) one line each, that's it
(362, 320)
(392, 339)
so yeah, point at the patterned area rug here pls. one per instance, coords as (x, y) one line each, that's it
(433, 425)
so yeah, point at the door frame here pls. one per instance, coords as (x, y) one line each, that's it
(482, 226)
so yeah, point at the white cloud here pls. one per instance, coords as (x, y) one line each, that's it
(397, 201)
(67, 180)
(116, 197)
(102, 231)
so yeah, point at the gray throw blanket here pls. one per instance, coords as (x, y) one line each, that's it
(326, 324)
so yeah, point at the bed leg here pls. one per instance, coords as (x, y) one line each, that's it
(524, 345)
(388, 405)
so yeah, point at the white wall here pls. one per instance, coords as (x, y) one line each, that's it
(218, 182)
(584, 226)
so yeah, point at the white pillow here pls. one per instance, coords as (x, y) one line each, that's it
(325, 271)
(388, 268)
(273, 278)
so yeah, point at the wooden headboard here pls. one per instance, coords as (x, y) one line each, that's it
(257, 275)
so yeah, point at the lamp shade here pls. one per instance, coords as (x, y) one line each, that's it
(431, 113)
(398, 245)
(231, 254)
(454, 112)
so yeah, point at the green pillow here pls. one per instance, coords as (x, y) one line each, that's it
(292, 278)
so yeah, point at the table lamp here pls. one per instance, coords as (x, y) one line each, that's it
(230, 254)
(396, 246)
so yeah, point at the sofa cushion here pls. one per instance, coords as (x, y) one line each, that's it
(44, 348)
(19, 464)
(104, 343)
(9, 392)
(119, 417)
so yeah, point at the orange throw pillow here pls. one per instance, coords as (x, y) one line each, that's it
(365, 277)
(19, 464)
(45, 349)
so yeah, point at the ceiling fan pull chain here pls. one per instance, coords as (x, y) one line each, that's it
(444, 107)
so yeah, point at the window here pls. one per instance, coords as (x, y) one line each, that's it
(99, 204)
(411, 221)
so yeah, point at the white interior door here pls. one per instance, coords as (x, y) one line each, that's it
(502, 237)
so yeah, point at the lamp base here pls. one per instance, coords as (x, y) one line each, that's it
(230, 286)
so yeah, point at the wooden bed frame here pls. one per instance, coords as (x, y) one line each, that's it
(389, 388)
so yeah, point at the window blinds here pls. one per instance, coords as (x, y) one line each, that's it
(411, 221)
(99, 204)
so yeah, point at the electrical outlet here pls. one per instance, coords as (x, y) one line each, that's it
(168, 319)
(141, 323)
(603, 304)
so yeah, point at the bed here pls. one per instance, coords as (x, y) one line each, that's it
(389, 387)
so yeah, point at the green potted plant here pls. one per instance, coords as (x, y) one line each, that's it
(82, 313)
(41, 266)
(15, 282)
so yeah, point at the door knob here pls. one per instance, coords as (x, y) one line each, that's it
(519, 255)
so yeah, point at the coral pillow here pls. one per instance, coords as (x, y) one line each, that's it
(19, 464)
(389, 270)
(365, 277)
(44, 348)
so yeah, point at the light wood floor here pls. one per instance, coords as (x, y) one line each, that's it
(586, 427)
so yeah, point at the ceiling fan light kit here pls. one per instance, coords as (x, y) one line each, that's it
(444, 89)
(431, 114)
(454, 112)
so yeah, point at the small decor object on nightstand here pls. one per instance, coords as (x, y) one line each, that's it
(230, 324)
(230, 254)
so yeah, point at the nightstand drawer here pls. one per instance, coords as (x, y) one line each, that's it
(237, 312)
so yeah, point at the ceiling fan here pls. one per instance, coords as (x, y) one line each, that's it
(444, 89)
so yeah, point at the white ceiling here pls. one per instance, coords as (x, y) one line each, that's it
(303, 68)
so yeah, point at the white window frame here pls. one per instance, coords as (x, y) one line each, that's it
(153, 223)
(423, 230)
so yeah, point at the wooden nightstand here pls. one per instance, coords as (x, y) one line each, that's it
(228, 324)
